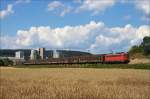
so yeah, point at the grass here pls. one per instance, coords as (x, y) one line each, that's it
(74, 83)
(122, 66)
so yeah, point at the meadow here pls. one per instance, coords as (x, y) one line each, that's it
(74, 83)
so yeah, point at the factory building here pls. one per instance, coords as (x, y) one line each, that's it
(29, 54)
(55, 54)
(19, 55)
(16, 56)
(34, 55)
(42, 53)
(19, 58)
(11, 53)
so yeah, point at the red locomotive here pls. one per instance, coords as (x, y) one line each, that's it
(116, 58)
(102, 58)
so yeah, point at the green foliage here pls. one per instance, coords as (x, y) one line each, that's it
(6, 62)
(136, 49)
(143, 48)
(1, 62)
(146, 45)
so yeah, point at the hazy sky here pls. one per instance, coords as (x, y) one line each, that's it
(95, 25)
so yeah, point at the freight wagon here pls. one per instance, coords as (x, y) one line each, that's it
(102, 58)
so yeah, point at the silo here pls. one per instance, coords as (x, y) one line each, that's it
(19, 55)
(42, 53)
(33, 55)
(55, 54)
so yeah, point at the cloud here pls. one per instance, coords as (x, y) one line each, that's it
(9, 10)
(65, 11)
(95, 6)
(22, 1)
(57, 5)
(143, 5)
(8, 42)
(67, 36)
(53, 5)
(120, 38)
(94, 36)
(143, 31)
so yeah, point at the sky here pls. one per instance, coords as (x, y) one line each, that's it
(98, 26)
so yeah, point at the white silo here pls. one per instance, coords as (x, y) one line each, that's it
(55, 54)
(19, 55)
(33, 55)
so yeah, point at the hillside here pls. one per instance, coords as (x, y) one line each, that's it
(139, 58)
(140, 53)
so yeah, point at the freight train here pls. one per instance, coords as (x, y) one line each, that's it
(87, 59)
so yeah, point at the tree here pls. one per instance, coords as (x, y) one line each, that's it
(146, 45)
(1, 62)
(6, 62)
(136, 49)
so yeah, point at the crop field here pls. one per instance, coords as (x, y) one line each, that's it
(74, 83)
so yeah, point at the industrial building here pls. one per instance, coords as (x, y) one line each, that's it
(11, 53)
(19, 55)
(55, 54)
(34, 54)
(31, 54)
(42, 53)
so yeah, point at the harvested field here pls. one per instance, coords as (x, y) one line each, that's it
(74, 83)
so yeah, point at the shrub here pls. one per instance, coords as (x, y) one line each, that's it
(6, 62)
(1, 62)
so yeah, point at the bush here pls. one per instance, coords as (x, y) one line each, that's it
(136, 49)
(6, 62)
(1, 62)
